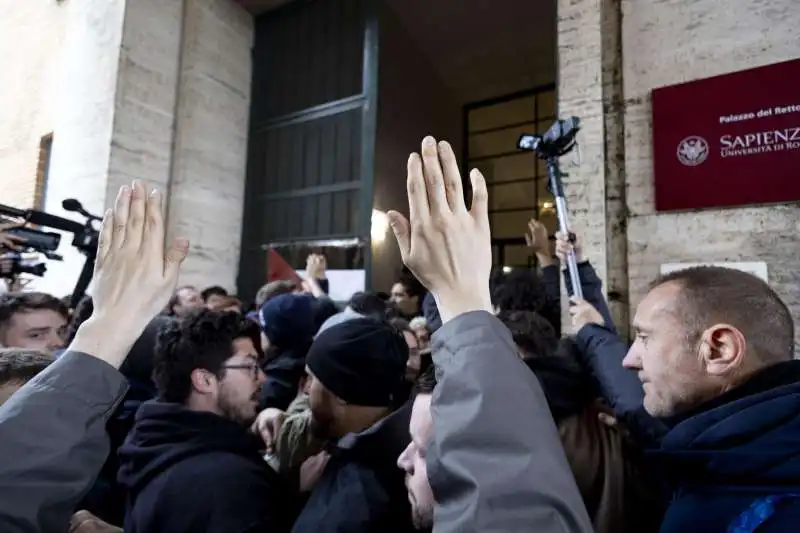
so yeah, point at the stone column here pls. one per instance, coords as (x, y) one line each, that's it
(206, 199)
(590, 87)
(156, 90)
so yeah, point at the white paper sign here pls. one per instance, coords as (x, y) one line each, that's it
(756, 268)
(342, 283)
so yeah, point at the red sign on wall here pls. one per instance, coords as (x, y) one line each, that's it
(729, 140)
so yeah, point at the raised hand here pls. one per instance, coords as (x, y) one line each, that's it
(446, 246)
(134, 275)
(564, 245)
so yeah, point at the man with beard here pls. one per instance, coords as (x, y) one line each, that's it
(413, 459)
(190, 464)
(356, 368)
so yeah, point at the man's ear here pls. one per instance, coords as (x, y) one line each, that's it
(722, 349)
(203, 381)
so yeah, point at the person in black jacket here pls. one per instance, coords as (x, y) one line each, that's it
(190, 464)
(356, 367)
(289, 322)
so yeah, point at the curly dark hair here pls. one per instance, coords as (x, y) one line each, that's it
(518, 290)
(202, 339)
(214, 290)
(368, 304)
(532, 333)
(22, 302)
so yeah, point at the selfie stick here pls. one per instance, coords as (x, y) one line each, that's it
(559, 140)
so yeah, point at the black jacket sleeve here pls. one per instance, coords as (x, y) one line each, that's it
(551, 285)
(592, 292)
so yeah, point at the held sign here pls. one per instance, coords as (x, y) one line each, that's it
(727, 141)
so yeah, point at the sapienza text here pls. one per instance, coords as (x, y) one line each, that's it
(760, 142)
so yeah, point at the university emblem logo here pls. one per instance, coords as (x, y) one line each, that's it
(692, 151)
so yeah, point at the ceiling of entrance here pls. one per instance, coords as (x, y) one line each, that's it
(484, 48)
(480, 48)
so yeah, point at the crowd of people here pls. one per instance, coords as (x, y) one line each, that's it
(458, 402)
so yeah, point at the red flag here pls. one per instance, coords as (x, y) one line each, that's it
(278, 269)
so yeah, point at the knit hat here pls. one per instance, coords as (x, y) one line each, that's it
(338, 318)
(361, 360)
(288, 319)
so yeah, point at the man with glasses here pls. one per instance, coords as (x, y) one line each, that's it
(190, 464)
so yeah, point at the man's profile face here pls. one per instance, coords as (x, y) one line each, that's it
(406, 303)
(37, 329)
(189, 299)
(240, 386)
(669, 368)
(322, 404)
(413, 462)
(215, 301)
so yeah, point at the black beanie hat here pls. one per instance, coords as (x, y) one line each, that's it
(362, 361)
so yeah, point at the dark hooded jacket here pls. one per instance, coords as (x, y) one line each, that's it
(361, 489)
(733, 464)
(106, 498)
(289, 322)
(196, 472)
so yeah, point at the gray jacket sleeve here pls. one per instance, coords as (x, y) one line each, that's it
(496, 463)
(53, 442)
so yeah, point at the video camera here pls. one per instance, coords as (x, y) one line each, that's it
(85, 239)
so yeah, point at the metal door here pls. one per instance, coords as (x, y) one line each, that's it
(312, 136)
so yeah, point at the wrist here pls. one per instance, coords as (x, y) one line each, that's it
(453, 303)
(102, 337)
(544, 260)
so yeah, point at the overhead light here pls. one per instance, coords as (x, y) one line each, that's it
(506, 270)
(379, 226)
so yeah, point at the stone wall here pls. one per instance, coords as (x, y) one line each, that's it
(32, 40)
(206, 198)
(156, 90)
(664, 43)
(664, 46)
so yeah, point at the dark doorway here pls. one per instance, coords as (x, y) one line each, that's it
(517, 181)
(312, 137)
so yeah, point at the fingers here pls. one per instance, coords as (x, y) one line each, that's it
(418, 208)
(134, 233)
(402, 233)
(122, 208)
(104, 239)
(154, 223)
(454, 189)
(480, 197)
(576, 304)
(174, 258)
(434, 179)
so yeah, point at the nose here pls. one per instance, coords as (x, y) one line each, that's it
(632, 360)
(403, 461)
(261, 377)
(55, 341)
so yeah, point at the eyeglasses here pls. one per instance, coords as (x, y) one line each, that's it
(252, 368)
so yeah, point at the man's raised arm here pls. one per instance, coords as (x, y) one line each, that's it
(53, 441)
(496, 462)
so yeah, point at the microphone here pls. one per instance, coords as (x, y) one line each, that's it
(72, 205)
